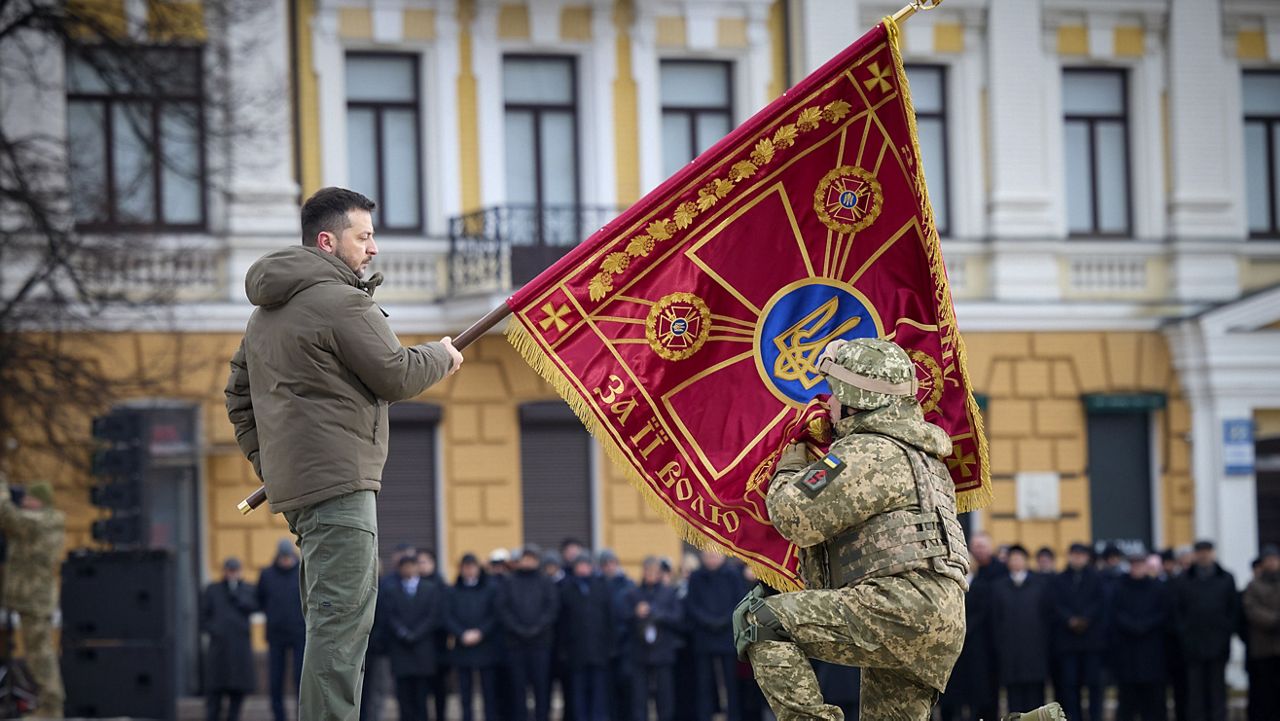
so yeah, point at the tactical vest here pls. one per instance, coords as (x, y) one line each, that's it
(926, 535)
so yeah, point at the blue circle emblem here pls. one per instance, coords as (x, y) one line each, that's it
(679, 326)
(797, 323)
(848, 199)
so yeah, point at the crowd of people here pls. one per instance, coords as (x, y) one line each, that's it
(1156, 627)
(514, 626)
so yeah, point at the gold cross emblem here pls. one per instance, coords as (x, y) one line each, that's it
(555, 316)
(878, 78)
(963, 461)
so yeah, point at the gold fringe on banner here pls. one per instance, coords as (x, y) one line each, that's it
(537, 359)
(981, 496)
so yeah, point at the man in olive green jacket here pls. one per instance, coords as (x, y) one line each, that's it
(308, 395)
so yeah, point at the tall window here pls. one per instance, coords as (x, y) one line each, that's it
(1095, 114)
(541, 97)
(929, 93)
(384, 155)
(1262, 152)
(135, 138)
(555, 474)
(697, 109)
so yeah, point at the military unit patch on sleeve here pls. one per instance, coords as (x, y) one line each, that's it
(820, 475)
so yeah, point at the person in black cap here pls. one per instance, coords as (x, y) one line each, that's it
(1021, 629)
(225, 609)
(1139, 616)
(620, 671)
(528, 605)
(280, 600)
(1046, 561)
(1262, 608)
(1077, 610)
(472, 619)
(1207, 612)
(586, 639)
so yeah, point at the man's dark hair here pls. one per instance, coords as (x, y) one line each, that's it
(1018, 548)
(326, 212)
(1046, 551)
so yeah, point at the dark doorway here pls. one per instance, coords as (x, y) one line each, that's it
(1120, 478)
(1267, 470)
(555, 473)
(407, 501)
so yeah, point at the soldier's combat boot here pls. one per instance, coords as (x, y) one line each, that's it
(1051, 712)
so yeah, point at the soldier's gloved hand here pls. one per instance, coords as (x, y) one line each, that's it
(793, 458)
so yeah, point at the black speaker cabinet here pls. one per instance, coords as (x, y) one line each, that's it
(130, 679)
(117, 595)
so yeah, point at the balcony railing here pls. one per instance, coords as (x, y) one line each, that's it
(496, 249)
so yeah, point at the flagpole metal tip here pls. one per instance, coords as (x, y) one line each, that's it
(913, 7)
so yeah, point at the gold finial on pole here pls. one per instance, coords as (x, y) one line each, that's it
(913, 7)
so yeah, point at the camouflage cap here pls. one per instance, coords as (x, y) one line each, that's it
(883, 363)
(43, 491)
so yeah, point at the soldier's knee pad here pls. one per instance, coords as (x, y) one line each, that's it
(754, 621)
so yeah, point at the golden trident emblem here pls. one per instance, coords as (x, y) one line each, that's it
(799, 346)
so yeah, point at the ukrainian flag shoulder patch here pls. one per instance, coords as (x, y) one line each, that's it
(818, 476)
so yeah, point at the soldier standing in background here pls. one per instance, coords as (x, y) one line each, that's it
(35, 532)
(880, 550)
(224, 615)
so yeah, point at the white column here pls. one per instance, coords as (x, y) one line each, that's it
(644, 70)
(1201, 203)
(328, 62)
(1020, 83)
(486, 60)
(826, 28)
(261, 193)
(600, 171)
(443, 188)
(759, 57)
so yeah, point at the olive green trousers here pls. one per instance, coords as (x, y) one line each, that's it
(339, 543)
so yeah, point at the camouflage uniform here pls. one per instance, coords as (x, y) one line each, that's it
(31, 588)
(881, 553)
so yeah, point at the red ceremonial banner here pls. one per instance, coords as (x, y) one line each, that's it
(685, 333)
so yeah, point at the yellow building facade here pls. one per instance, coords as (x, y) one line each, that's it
(1063, 328)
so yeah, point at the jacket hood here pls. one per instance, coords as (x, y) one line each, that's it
(281, 274)
(903, 420)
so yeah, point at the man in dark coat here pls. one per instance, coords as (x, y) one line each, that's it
(429, 571)
(1079, 638)
(224, 615)
(280, 599)
(472, 619)
(415, 611)
(1021, 629)
(1139, 614)
(655, 617)
(714, 591)
(1206, 611)
(969, 695)
(377, 669)
(528, 604)
(585, 638)
(620, 672)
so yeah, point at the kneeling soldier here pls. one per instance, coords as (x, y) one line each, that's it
(881, 552)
